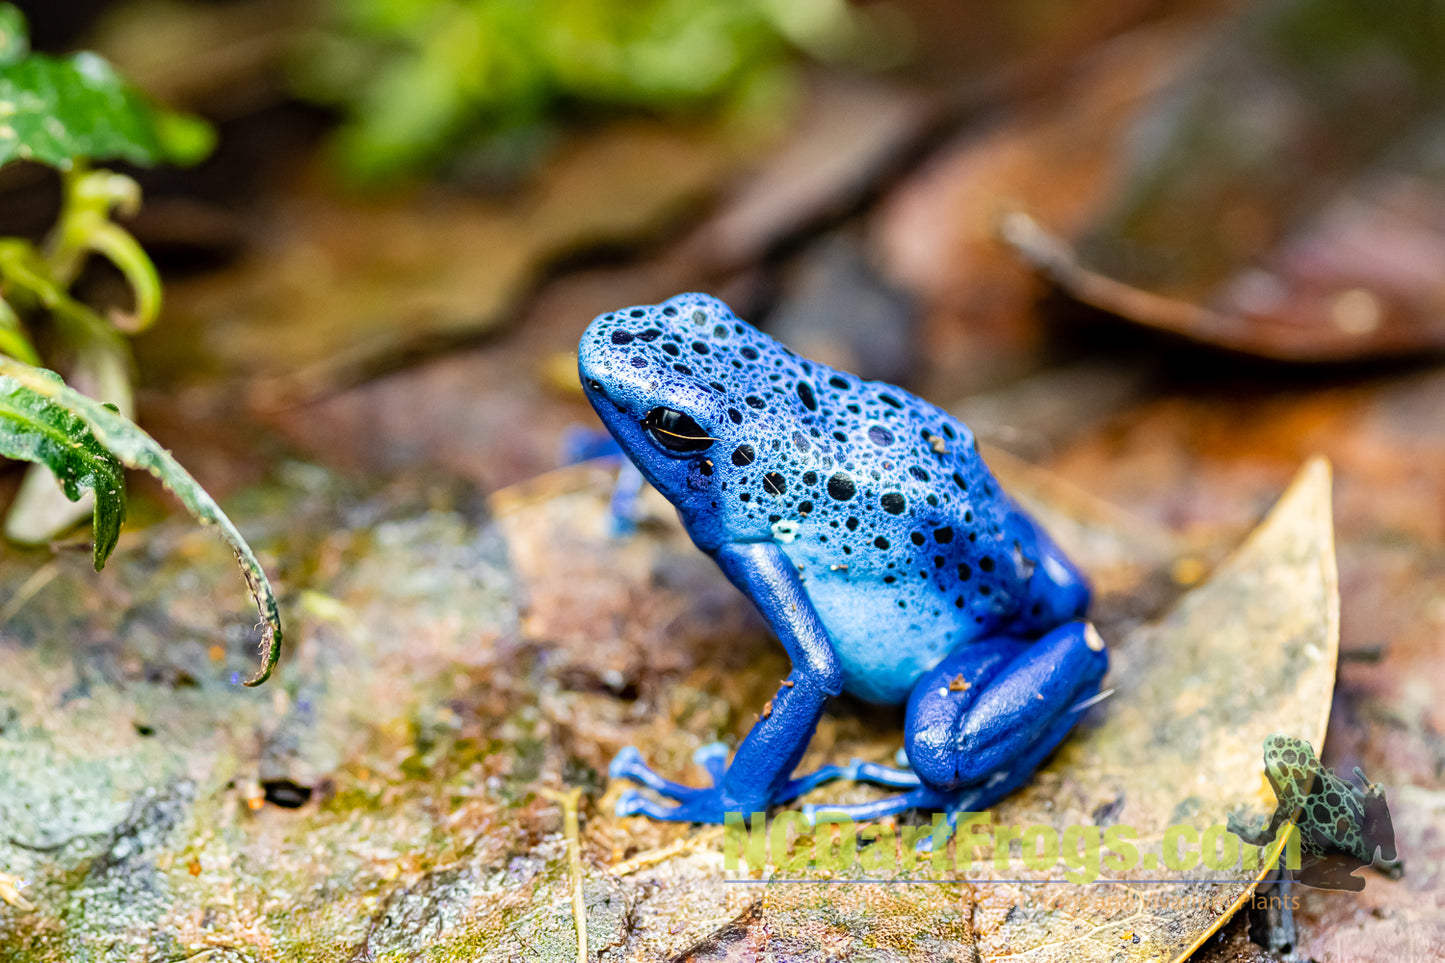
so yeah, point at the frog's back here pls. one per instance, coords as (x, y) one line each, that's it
(1332, 812)
(909, 547)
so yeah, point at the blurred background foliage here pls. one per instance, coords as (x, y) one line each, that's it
(419, 81)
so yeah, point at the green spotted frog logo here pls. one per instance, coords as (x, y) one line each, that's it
(1343, 826)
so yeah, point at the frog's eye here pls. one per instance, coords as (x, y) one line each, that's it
(676, 431)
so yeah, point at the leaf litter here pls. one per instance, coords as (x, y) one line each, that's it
(427, 712)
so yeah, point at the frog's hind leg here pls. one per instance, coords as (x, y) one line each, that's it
(983, 720)
(989, 722)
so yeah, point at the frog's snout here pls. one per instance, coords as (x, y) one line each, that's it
(591, 371)
(598, 381)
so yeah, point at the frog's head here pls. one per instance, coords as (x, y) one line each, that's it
(1290, 764)
(670, 382)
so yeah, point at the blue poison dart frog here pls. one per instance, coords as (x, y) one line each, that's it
(867, 530)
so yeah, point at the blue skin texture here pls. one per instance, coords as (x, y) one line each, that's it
(862, 523)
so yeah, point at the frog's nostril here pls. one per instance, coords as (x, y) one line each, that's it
(595, 385)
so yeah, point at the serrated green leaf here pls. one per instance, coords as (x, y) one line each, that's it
(56, 110)
(35, 428)
(68, 415)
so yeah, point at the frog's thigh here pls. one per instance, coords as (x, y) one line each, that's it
(993, 710)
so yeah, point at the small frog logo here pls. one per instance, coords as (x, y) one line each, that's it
(1342, 827)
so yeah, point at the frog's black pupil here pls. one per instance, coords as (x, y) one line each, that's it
(676, 431)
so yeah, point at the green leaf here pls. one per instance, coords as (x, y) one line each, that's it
(419, 80)
(56, 110)
(12, 334)
(14, 42)
(185, 138)
(34, 428)
(77, 432)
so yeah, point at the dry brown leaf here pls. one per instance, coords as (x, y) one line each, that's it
(1249, 652)
(1282, 196)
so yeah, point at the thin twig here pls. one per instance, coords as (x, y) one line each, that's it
(568, 800)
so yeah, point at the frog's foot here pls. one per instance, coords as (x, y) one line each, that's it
(585, 444)
(694, 804)
(624, 506)
(856, 771)
(876, 775)
(951, 804)
(922, 797)
(803, 785)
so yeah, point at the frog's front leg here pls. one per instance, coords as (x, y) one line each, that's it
(984, 718)
(1259, 831)
(758, 776)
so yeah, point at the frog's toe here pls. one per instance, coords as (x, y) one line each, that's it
(925, 845)
(624, 762)
(628, 764)
(815, 813)
(714, 758)
(806, 784)
(700, 806)
(1250, 830)
(858, 770)
(874, 774)
(827, 812)
(633, 803)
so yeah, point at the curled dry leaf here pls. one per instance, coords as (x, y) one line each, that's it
(1283, 195)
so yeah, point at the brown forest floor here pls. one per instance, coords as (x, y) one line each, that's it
(357, 380)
